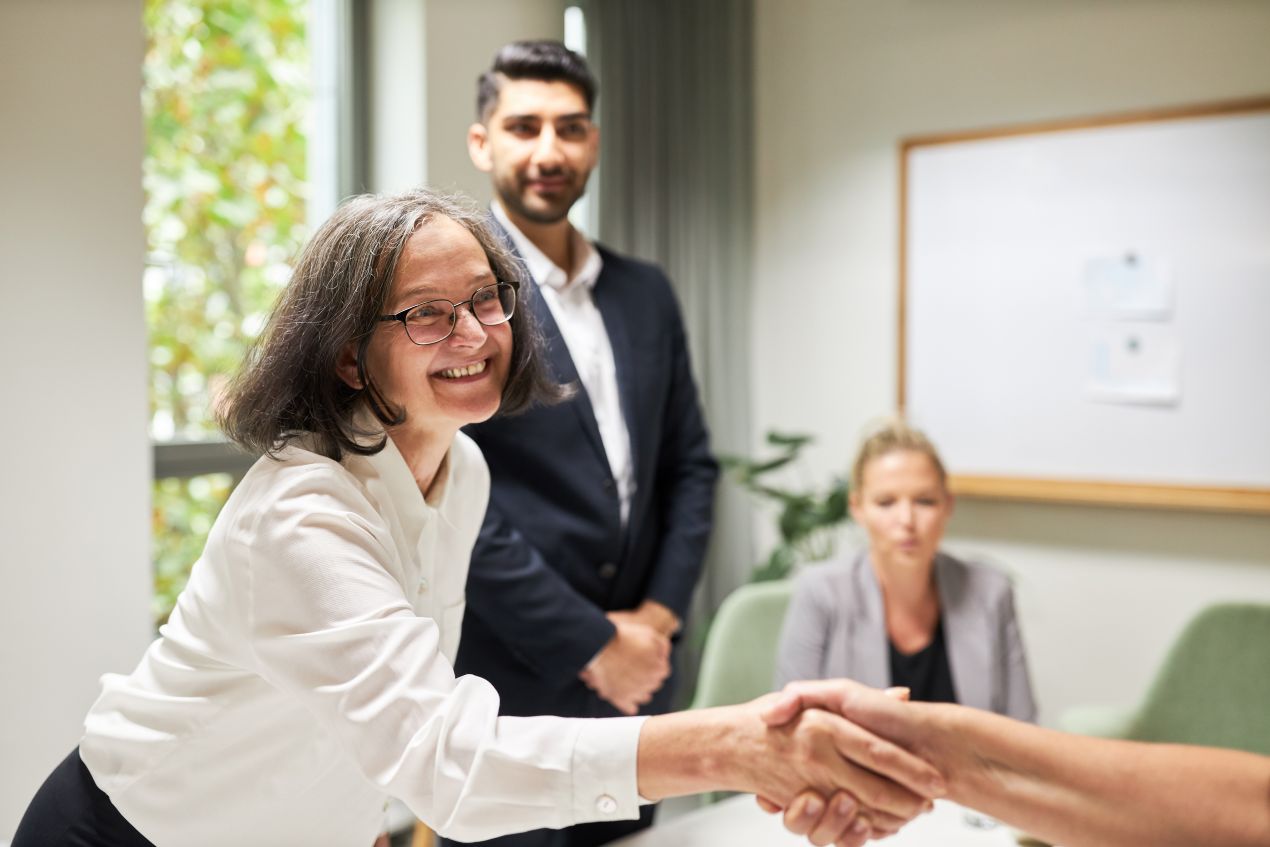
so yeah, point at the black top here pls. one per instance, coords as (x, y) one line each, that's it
(926, 673)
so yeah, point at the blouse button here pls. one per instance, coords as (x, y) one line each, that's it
(423, 585)
(605, 804)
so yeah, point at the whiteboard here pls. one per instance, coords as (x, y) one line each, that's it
(1085, 307)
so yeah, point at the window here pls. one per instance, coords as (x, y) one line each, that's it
(239, 101)
(584, 213)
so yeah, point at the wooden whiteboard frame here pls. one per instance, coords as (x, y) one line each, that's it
(1233, 499)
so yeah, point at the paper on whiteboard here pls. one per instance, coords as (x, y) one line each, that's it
(1129, 287)
(1136, 364)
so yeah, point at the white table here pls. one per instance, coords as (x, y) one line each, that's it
(738, 822)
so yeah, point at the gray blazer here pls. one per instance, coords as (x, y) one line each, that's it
(835, 627)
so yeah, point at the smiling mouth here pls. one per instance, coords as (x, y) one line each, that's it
(466, 370)
(549, 183)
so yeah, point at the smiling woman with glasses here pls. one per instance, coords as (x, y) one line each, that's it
(433, 321)
(306, 673)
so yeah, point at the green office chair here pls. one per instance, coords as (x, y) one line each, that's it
(1213, 689)
(739, 658)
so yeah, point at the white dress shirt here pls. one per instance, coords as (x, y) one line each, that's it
(305, 676)
(572, 304)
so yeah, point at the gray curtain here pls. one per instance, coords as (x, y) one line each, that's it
(675, 187)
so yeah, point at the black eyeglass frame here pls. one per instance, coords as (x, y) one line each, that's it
(400, 317)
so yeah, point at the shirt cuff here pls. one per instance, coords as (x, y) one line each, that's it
(605, 779)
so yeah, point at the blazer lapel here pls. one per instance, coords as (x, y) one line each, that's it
(607, 301)
(557, 351)
(870, 658)
(967, 636)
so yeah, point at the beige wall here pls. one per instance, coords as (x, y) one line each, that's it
(424, 65)
(74, 492)
(462, 37)
(1101, 591)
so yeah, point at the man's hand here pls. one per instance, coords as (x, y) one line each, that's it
(632, 666)
(653, 614)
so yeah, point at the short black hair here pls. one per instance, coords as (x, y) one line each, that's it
(288, 386)
(549, 61)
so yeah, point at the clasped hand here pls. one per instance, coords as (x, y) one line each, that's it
(636, 662)
(840, 783)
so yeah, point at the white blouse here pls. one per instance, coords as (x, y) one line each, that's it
(306, 676)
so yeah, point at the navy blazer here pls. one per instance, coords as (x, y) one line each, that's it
(552, 557)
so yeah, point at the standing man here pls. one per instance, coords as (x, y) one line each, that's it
(600, 507)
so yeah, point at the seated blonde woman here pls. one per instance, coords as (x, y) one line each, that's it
(902, 613)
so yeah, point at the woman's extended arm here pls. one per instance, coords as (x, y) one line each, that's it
(328, 625)
(1066, 788)
(731, 748)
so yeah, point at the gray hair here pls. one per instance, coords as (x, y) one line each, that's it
(288, 384)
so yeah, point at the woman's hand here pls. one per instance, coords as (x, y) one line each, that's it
(839, 821)
(738, 748)
(820, 750)
(836, 822)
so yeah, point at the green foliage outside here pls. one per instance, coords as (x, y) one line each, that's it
(805, 518)
(183, 511)
(225, 97)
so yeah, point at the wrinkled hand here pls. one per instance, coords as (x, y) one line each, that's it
(873, 785)
(840, 819)
(632, 666)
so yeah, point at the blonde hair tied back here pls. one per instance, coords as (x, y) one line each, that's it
(890, 436)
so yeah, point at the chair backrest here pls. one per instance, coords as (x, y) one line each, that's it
(739, 658)
(1214, 685)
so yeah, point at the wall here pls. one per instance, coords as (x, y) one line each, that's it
(462, 38)
(432, 54)
(74, 493)
(839, 82)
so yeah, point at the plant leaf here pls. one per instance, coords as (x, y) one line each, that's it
(789, 439)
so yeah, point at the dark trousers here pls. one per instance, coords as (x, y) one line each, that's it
(70, 810)
(581, 835)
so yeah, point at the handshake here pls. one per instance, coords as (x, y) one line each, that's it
(847, 763)
(842, 761)
(834, 756)
(886, 785)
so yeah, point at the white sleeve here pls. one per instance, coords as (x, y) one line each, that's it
(329, 625)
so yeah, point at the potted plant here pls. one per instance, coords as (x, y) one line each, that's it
(807, 520)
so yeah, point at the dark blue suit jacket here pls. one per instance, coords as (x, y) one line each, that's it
(552, 556)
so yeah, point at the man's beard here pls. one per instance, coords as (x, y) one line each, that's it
(555, 210)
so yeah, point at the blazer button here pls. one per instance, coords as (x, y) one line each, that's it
(608, 570)
(609, 485)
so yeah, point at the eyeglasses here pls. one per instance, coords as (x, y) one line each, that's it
(433, 321)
